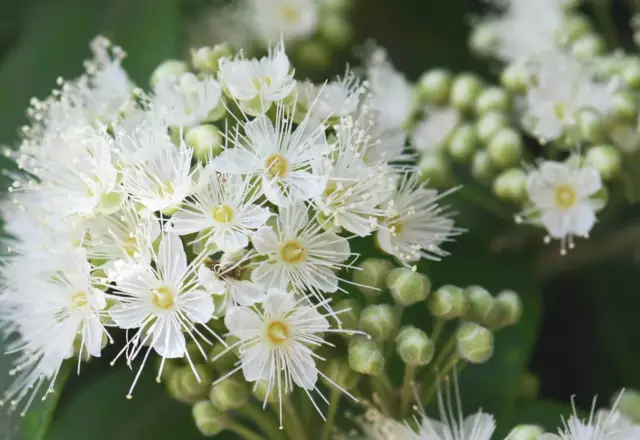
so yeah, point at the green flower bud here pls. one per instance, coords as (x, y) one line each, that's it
(365, 357)
(591, 126)
(372, 276)
(194, 353)
(168, 69)
(379, 321)
(631, 75)
(482, 166)
(475, 343)
(606, 159)
(515, 78)
(489, 124)
(526, 432)
(210, 421)
(350, 318)
(189, 383)
(408, 287)
(206, 59)
(505, 148)
(463, 143)
(339, 371)
(229, 394)
(414, 346)
(436, 169)
(483, 40)
(626, 137)
(313, 54)
(464, 91)
(588, 46)
(624, 106)
(493, 99)
(629, 404)
(510, 185)
(448, 302)
(169, 367)
(260, 388)
(482, 306)
(205, 140)
(509, 307)
(336, 30)
(434, 86)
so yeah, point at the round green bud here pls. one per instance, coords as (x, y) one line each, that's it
(515, 78)
(189, 383)
(489, 124)
(379, 321)
(505, 148)
(463, 143)
(587, 46)
(210, 421)
(206, 59)
(339, 371)
(606, 159)
(629, 404)
(482, 307)
(194, 353)
(474, 343)
(591, 126)
(465, 90)
(313, 54)
(260, 389)
(365, 357)
(407, 286)
(624, 106)
(169, 366)
(205, 140)
(631, 75)
(493, 99)
(229, 394)
(448, 302)
(509, 307)
(626, 137)
(482, 167)
(526, 432)
(434, 86)
(414, 346)
(371, 276)
(336, 30)
(510, 185)
(436, 169)
(574, 27)
(350, 315)
(483, 40)
(168, 69)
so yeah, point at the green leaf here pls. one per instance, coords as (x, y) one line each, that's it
(100, 411)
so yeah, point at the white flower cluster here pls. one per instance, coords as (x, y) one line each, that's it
(116, 224)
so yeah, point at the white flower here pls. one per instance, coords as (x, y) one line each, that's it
(563, 199)
(223, 211)
(378, 426)
(160, 178)
(256, 84)
(162, 302)
(416, 225)
(286, 160)
(53, 303)
(293, 19)
(337, 98)
(186, 100)
(434, 130)
(276, 343)
(563, 88)
(299, 253)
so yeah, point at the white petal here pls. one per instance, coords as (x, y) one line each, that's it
(582, 218)
(269, 275)
(187, 221)
(304, 185)
(198, 306)
(168, 340)
(588, 182)
(243, 322)
(210, 281)
(265, 240)
(229, 240)
(554, 172)
(479, 426)
(302, 367)
(257, 363)
(235, 161)
(128, 316)
(247, 293)
(172, 260)
(253, 216)
(330, 247)
(556, 223)
(319, 277)
(92, 335)
(278, 302)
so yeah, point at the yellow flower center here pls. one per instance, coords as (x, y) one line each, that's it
(293, 252)
(222, 214)
(290, 13)
(278, 332)
(560, 111)
(565, 196)
(277, 166)
(396, 228)
(163, 297)
(261, 82)
(79, 300)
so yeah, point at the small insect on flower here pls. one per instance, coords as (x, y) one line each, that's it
(162, 302)
(564, 200)
(276, 344)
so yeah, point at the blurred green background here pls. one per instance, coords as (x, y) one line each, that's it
(579, 334)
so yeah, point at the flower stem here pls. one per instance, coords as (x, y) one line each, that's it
(292, 421)
(405, 398)
(242, 431)
(334, 402)
(602, 10)
(263, 420)
(437, 329)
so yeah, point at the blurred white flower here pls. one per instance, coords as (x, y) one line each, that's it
(434, 129)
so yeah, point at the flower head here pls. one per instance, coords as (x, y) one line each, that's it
(293, 19)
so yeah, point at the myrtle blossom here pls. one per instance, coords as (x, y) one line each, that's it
(434, 130)
(331, 100)
(291, 19)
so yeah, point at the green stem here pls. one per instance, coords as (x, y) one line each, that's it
(407, 386)
(263, 419)
(334, 402)
(602, 10)
(242, 431)
(448, 366)
(446, 350)
(292, 421)
(437, 329)
(384, 394)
